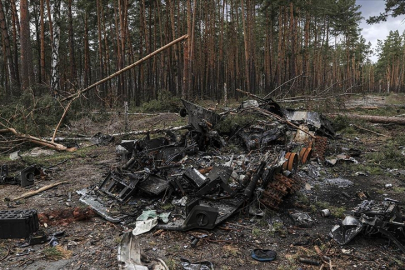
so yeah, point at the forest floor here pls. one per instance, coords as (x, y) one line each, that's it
(92, 243)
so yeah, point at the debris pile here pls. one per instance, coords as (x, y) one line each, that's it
(222, 163)
(372, 218)
(24, 178)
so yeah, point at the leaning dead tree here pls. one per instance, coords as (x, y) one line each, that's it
(71, 98)
(126, 68)
(76, 95)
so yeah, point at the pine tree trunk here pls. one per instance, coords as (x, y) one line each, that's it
(16, 39)
(36, 14)
(245, 39)
(7, 48)
(55, 76)
(72, 58)
(87, 74)
(25, 44)
(42, 39)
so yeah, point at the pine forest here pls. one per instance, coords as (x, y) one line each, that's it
(282, 48)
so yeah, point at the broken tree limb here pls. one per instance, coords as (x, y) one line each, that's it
(269, 114)
(126, 68)
(312, 98)
(52, 145)
(250, 94)
(365, 129)
(64, 139)
(140, 132)
(135, 132)
(373, 118)
(118, 113)
(269, 94)
(35, 192)
(62, 117)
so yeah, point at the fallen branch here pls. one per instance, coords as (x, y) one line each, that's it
(76, 95)
(118, 113)
(373, 118)
(250, 94)
(35, 192)
(5, 256)
(312, 98)
(269, 94)
(365, 129)
(269, 114)
(52, 145)
(140, 132)
(61, 119)
(363, 108)
(64, 139)
(134, 132)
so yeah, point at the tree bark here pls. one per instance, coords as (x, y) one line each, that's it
(52, 145)
(25, 45)
(16, 34)
(7, 48)
(55, 83)
(72, 58)
(373, 119)
(245, 39)
(42, 38)
(87, 74)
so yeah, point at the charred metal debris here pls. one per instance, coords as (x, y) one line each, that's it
(23, 178)
(222, 164)
(372, 218)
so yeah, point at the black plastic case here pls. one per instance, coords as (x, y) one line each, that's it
(18, 223)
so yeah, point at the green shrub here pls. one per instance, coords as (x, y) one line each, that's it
(32, 115)
(233, 122)
(166, 102)
(340, 122)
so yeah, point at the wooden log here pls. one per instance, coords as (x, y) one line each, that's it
(134, 132)
(151, 131)
(372, 118)
(365, 129)
(34, 192)
(52, 145)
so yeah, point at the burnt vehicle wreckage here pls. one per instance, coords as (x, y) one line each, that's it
(245, 159)
(197, 174)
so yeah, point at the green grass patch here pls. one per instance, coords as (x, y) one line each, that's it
(277, 228)
(302, 198)
(335, 211)
(340, 122)
(56, 253)
(370, 169)
(46, 161)
(399, 189)
(167, 207)
(395, 99)
(256, 232)
(389, 156)
(172, 263)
